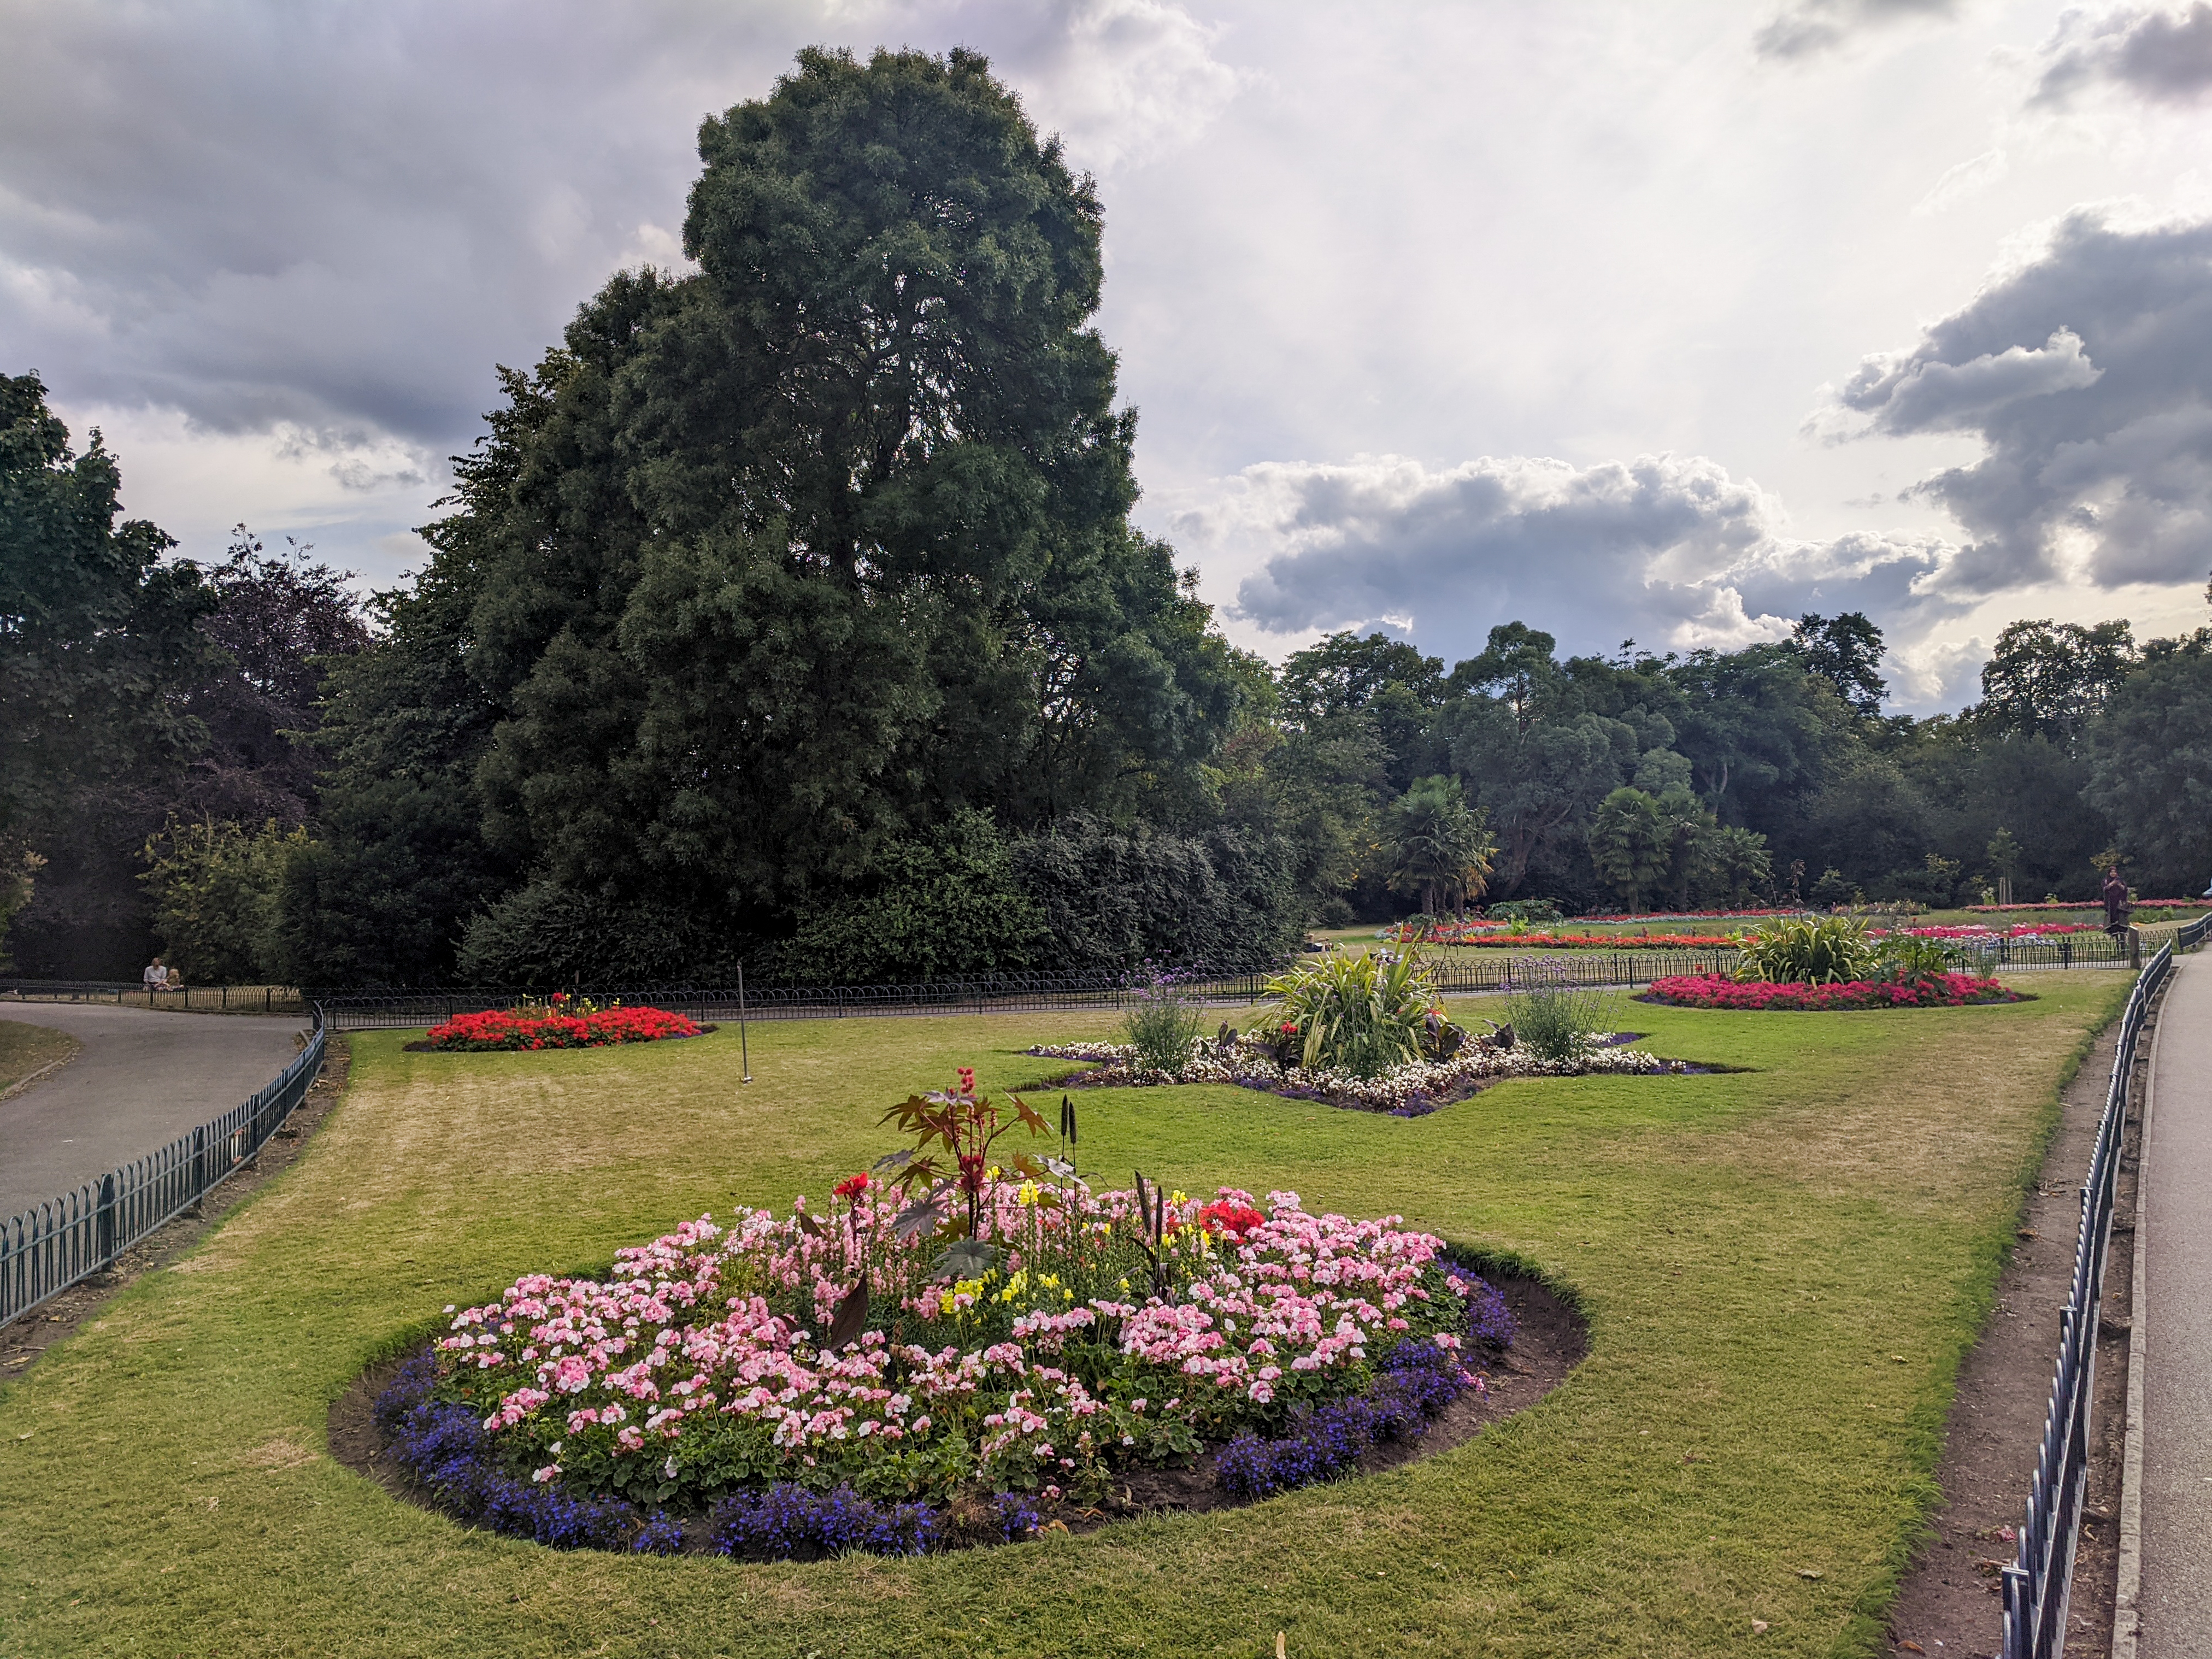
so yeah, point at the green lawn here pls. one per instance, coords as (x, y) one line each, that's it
(1781, 1268)
(26, 1049)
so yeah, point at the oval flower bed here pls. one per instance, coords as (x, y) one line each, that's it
(804, 1385)
(555, 1027)
(1925, 991)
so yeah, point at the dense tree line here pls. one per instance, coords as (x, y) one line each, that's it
(789, 613)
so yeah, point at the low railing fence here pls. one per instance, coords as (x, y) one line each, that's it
(191, 998)
(45, 1250)
(348, 1011)
(2037, 1585)
(1456, 972)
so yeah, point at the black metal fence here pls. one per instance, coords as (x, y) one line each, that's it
(195, 998)
(1464, 972)
(45, 1250)
(2038, 1584)
(353, 1011)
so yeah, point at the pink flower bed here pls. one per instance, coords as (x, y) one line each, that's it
(719, 1358)
(1761, 996)
(512, 1028)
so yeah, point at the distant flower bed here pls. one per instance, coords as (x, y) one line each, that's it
(1696, 915)
(1503, 941)
(870, 1378)
(554, 1027)
(1925, 991)
(1414, 1089)
(2092, 904)
(1975, 933)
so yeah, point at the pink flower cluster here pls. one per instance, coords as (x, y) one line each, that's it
(2022, 930)
(1762, 996)
(707, 1344)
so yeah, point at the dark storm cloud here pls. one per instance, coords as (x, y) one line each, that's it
(2166, 55)
(2087, 373)
(337, 218)
(340, 217)
(1809, 26)
(1670, 549)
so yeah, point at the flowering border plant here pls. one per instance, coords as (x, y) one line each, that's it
(905, 1370)
(1762, 996)
(558, 1026)
(1412, 1089)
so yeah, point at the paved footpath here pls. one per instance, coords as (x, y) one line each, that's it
(2176, 1207)
(143, 1079)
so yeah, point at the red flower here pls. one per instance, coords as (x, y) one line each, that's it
(852, 1187)
(1232, 1221)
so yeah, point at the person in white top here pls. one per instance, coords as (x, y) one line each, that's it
(156, 977)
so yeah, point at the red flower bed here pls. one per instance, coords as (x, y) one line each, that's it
(2095, 904)
(1761, 996)
(506, 1028)
(1594, 941)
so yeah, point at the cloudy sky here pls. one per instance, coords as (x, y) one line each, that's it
(1668, 322)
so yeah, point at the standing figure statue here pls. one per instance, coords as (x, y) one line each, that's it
(2114, 892)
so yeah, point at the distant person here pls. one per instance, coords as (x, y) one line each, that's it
(175, 982)
(2114, 892)
(156, 977)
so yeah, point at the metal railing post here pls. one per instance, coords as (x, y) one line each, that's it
(104, 1241)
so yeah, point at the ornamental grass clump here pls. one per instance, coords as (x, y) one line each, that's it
(1357, 1015)
(1557, 1019)
(1162, 1023)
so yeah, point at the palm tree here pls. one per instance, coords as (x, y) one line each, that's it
(1436, 846)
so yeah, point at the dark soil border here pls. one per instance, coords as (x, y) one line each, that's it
(1948, 1602)
(426, 1047)
(1551, 1340)
(46, 1324)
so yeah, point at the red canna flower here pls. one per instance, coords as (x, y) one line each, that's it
(852, 1187)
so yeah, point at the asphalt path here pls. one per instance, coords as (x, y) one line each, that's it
(2176, 1204)
(143, 1079)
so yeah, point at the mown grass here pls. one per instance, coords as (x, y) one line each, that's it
(1781, 1268)
(26, 1048)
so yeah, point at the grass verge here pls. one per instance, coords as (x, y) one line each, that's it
(1782, 1267)
(27, 1049)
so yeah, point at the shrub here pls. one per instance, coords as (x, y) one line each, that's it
(1358, 1015)
(1117, 898)
(1808, 951)
(1538, 910)
(1557, 1020)
(1902, 957)
(1161, 1024)
(941, 906)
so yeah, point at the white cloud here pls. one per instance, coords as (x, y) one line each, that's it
(1124, 81)
(1969, 178)
(1806, 27)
